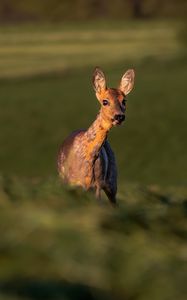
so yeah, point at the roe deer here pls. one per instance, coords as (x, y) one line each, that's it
(85, 158)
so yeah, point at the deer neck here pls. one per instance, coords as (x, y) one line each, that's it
(96, 135)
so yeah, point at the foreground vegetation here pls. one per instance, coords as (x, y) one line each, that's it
(60, 244)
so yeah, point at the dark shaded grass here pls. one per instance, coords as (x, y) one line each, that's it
(47, 289)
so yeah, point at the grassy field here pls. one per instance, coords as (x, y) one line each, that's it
(46, 93)
(58, 243)
(27, 51)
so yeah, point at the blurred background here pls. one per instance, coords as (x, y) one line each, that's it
(58, 243)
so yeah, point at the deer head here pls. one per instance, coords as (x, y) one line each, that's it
(113, 101)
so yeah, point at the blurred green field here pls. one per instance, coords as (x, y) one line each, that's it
(35, 50)
(58, 243)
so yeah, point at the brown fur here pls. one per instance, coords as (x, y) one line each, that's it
(86, 158)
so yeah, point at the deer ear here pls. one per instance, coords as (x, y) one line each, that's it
(127, 82)
(98, 80)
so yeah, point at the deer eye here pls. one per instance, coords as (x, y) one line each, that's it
(124, 101)
(105, 102)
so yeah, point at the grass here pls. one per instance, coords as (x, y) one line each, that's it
(37, 114)
(59, 243)
(28, 51)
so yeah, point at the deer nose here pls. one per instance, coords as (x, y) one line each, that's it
(119, 118)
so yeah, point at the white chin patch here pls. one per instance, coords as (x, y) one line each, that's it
(115, 123)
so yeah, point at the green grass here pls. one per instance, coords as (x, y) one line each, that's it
(59, 243)
(46, 93)
(37, 114)
(37, 50)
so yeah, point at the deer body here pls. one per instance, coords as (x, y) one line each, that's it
(86, 158)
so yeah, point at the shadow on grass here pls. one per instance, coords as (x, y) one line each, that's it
(48, 289)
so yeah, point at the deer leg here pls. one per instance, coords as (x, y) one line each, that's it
(98, 194)
(111, 196)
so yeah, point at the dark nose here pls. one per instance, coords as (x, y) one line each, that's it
(119, 118)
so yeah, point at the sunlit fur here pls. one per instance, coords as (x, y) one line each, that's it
(86, 158)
